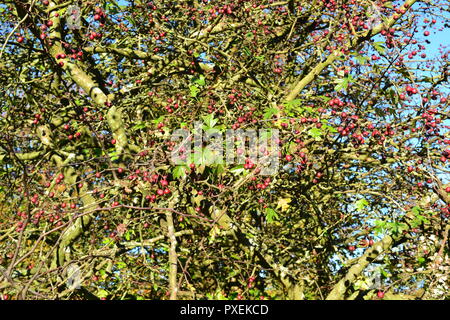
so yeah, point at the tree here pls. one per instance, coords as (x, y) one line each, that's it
(93, 206)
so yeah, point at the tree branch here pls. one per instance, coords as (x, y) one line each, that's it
(301, 84)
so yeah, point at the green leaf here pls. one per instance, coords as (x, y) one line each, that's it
(140, 125)
(194, 90)
(102, 293)
(218, 170)
(315, 132)
(397, 227)
(379, 226)
(113, 155)
(379, 46)
(200, 80)
(271, 215)
(341, 84)
(266, 134)
(393, 96)
(237, 170)
(131, 20)
(361, 204)
(309, 109)
(418, 217)
(158, 120)
(417, 210)
(330, 128)
(209, 120)
(362, 59)
(209, 156)
(179, 172)
(293, 103)
(269, 113)
(324, 98)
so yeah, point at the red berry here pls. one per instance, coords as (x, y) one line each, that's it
(380, 294)
(20, 39)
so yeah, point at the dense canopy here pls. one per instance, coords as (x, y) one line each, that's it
(93, 207)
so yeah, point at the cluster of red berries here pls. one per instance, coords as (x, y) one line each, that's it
(162, 190)
(94, 35)
(249, 164)
(99, 15)
(262, 185)
(445, 156)
(410, 90)
(72, 136)
(37, 118)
